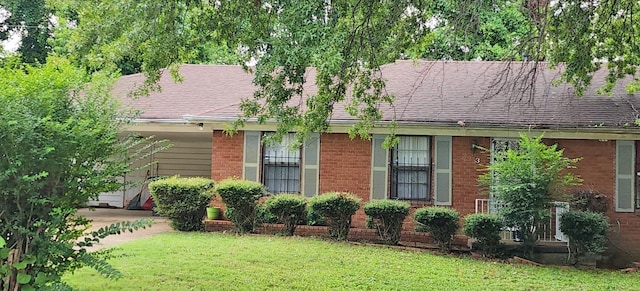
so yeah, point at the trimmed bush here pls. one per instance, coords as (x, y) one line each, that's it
(485, 228)
(289, 209)
(263, 216)
(182, 200)
(314, 218)
(587, 232)
(386, 216)
(440, 222)
(337, 209)
(241, 198)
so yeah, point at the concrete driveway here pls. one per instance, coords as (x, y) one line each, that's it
(106, 216)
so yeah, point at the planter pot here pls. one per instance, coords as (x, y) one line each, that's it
(213, 213)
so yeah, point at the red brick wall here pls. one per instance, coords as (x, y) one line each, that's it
(345, 166)
(467, 165)
(597, 169)
(226, 158)
(226, 155)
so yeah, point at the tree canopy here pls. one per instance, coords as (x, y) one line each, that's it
(31, 20)
(347, 41)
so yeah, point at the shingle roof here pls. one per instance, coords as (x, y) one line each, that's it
(476, 93)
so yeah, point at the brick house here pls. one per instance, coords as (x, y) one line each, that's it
(449, 113)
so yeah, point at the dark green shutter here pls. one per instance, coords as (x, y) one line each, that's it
(442, 171)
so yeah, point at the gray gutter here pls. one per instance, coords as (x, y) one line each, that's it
(451, 124)
(161, 120)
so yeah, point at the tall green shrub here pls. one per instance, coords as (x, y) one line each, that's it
(59, 147)
(386, 216)
(485, 228)
(337, 208)
(587, 232)
(182, 200)
(526, 181)
(289, 209)
(440, 222)
(241, 198)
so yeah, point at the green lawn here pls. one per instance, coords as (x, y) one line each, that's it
(215, 261)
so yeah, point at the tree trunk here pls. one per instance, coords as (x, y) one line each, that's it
(10, 280)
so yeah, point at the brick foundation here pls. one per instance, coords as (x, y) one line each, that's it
(408, 238)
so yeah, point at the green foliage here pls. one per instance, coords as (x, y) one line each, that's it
(485, 30)
(58, 148)
(347, 42)
(440, 222)
(526, 182)
(314, 218)
(263, 216)
(485, 228)
(337, 209)
(587, 232)
(182, 200)
(579, 36)
(386, 217)
(289, 209)
(30, 20)
(590, 200)
(241, 198)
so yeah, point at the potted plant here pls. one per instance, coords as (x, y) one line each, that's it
(213, 213)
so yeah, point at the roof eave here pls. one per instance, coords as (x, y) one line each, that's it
(449, 128)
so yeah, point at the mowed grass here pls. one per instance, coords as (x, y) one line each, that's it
(216, 261)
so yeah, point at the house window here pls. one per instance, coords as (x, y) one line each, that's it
(410, 169)
(281, 166)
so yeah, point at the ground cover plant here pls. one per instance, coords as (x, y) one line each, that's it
(208, 261)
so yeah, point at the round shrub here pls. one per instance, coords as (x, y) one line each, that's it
(337, 209)
(485, 228)
(440, 222)
(241, 199)
(289, 209)
(587, 231)
(182, 200)
(386, 216)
